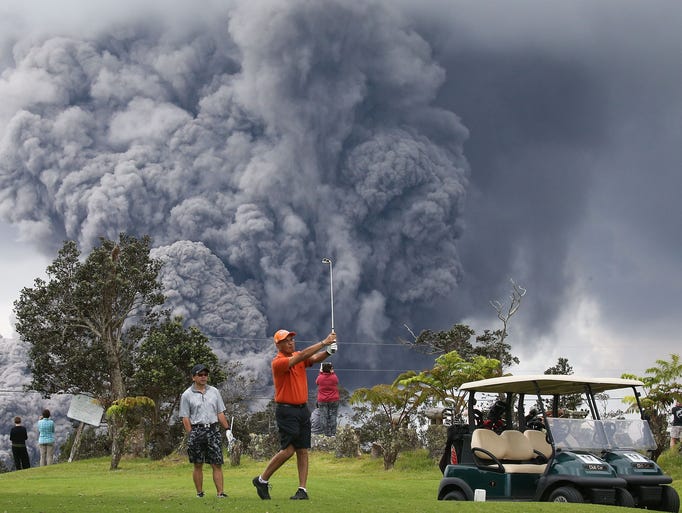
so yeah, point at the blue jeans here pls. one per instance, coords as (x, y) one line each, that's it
(328, 413)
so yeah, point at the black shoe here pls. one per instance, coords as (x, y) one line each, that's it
(300, 495)
(222, 495)
(263, 489)
(200, 495)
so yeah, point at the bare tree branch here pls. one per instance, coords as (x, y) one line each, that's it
(515, 302)
(411, 332)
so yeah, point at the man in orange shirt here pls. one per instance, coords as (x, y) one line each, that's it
(291, 412)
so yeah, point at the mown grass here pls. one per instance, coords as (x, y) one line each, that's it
(335, 486)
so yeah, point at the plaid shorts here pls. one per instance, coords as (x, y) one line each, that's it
(675, 431)
(205, 446)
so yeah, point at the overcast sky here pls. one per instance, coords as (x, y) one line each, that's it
(434, 150)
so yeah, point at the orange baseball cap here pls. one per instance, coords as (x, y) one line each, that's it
(282, 334)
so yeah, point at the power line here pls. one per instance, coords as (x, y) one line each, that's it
(311, 342)
(365, 370)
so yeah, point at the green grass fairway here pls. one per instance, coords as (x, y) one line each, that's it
(334, 485)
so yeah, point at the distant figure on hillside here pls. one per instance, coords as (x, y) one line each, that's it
(46, 438)
(328, 398)
(18, 437)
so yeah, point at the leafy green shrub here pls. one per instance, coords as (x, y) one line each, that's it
(323, 443)
(263, 447)
(347, 443)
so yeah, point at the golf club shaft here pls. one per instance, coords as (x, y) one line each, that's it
(331, 292)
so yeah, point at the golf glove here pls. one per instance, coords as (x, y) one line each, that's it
(331, 349)
(229, 436)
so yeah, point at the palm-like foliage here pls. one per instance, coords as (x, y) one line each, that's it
(662, 387)
(442, 382)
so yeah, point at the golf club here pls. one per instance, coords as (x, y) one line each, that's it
(331, 286)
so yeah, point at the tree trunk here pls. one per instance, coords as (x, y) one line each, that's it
(118, 435)
(390, 456)
(117, 392)
(235, 453)
(111, 347)
(76, 441)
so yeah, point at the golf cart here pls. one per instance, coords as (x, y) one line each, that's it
(547, 455)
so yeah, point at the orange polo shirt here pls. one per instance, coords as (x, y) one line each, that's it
(291, 383)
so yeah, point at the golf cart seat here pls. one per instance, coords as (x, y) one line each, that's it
(538, 441)
(510, 452)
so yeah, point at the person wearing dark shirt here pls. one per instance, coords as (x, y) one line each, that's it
(18, 437)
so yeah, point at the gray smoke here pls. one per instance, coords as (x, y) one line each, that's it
(248, 148)
(252, 139)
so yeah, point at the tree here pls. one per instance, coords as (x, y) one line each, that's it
(162, 364)
(604, 399)
(394, 404)
(125, 415)
(458, 339)
(490, 345)
(662, 387)
(563, 368)
(75, 321)
(504, 312)
(442, 342)
(237, 391)
(442, 382)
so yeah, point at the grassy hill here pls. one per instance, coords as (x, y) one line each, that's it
(334, 485)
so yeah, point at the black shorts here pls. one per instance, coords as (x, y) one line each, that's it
(205, 445)
(293, 425)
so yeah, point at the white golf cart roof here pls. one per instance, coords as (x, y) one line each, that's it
(549, 384)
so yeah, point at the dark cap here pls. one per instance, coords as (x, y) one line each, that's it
(198, 368)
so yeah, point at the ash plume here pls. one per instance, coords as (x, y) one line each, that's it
(252, 139)
(248, 147)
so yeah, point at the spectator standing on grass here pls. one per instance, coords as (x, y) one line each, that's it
(18, 437)
(291, 411)
(676, 428)
(46, 438)
(328, 398)
(202, 410)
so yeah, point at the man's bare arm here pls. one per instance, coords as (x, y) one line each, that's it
(311, 352)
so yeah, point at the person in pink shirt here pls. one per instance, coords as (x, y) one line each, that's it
(328, 398)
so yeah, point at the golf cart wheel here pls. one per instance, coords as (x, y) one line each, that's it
(455, 495)
(670, 500)
(624, 498)
(566, 494)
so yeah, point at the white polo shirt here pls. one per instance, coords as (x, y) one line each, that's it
(201, 408)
